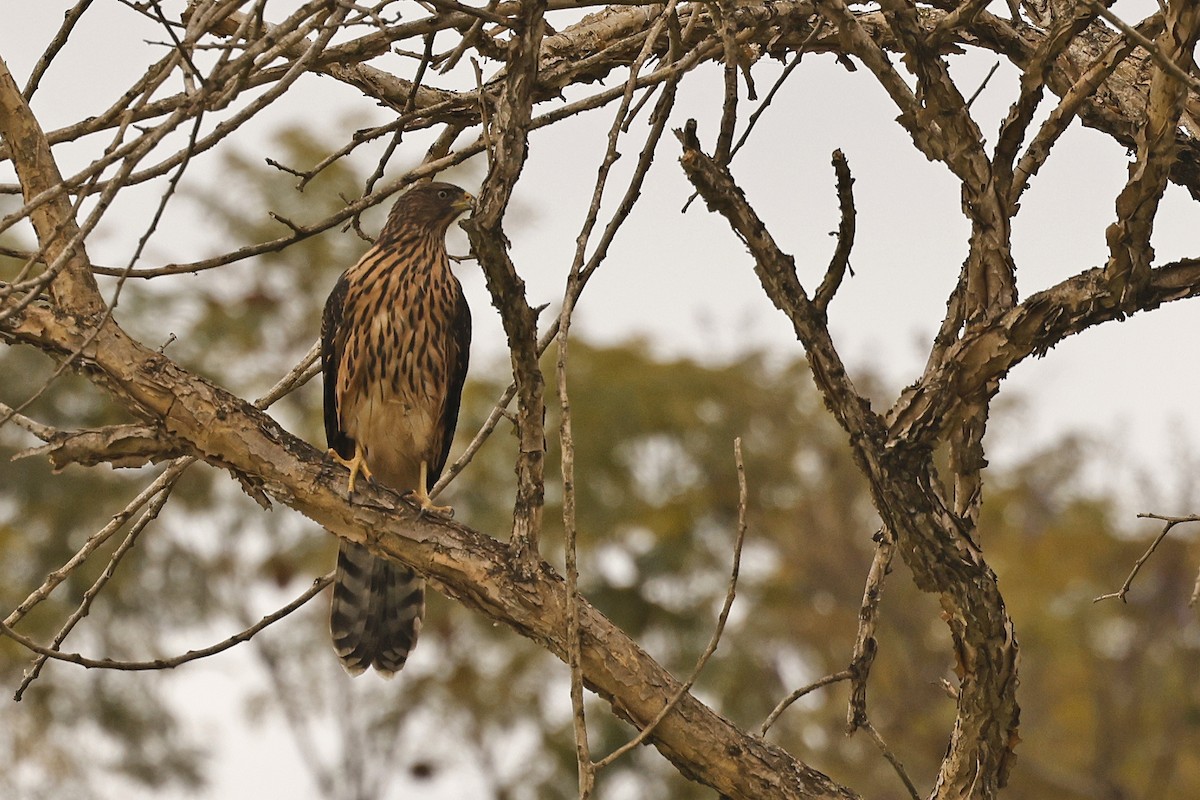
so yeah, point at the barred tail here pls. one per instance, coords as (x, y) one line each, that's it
(376, 611)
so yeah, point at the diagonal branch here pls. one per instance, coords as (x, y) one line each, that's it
(975, 364)
(1168, 524)
(1073, 100)
(1033, 84)
(468, 565)
(74, 288)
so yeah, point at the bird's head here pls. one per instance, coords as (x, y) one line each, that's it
(428, 206)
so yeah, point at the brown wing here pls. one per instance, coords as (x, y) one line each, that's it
(332, 345)
(458, 355)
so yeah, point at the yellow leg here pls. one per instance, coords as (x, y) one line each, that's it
(421, 495)
(355, 465)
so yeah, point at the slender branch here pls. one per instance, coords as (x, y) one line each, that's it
(160, 484)
(151, 513)
(70, 20)
(892, 759)
(784, 704)
(576, 279)
(722, 618)
(299, 374)
(817, 29)
(1142, 39)
(1033, 82)
(174, 661)
(865, 644)
(982, 84)
(1169, 523)
(44, 432)
(1068, 108)
(587, 771)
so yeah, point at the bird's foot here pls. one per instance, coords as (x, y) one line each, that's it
(423, 501)
(356, 465)
(427, 506)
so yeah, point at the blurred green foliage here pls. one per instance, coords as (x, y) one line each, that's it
(1111, 704)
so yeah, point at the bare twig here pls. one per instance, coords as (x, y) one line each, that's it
(85, 605)
(1159, 57)
(892, 759)
(983, 84)
(175, 661)
(178, 45)
(160, 484)
(299, 374)
(44, 432)
(865, 647)
(587, 771)
(786, 702)
(1170, 522)
(575, 281)
(818, 26)
(56, 45)
(468, 40)
(722, 618)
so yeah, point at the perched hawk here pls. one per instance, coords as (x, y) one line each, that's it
(394, 344)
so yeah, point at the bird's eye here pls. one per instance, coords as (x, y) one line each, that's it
(443, 194)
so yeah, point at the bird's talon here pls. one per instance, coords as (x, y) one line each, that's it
(356, 465)
(425, 505)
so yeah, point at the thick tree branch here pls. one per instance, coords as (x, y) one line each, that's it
(1080, 92)
(467, 565)
(935, 542)
(973, 366)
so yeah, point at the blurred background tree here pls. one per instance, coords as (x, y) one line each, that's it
(1111, 703)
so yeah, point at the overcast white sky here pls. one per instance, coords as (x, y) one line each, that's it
(686, 283)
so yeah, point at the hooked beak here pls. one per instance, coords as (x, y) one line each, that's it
(465, 203)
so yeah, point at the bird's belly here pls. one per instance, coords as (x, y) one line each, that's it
(397, 432)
